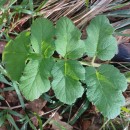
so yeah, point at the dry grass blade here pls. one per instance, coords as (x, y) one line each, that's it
(62, 8)
(77, 10)
(123, 39)
(97, 9)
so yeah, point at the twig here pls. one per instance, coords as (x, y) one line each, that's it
(7, 104)
(15, 107)
(50, 117)
(104, 125)
(119, 63)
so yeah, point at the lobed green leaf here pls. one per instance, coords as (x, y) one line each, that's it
(66, 76)
(42, 37)
(35, 78)
(100, 42)
(68, 43)
(104, 88)
(15, 55)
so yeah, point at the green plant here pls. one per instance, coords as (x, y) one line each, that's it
(31, 60)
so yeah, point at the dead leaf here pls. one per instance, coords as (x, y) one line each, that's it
(11, 97)
(36, 105)
(96, 123)
(2, 85)
(3, 128)
(86, 124)
(57, 124)
(2, 45)
(34, 121)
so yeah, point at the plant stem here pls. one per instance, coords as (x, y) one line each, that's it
(104, 124)
(3, 71)
(93, 60)
(89, 64)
